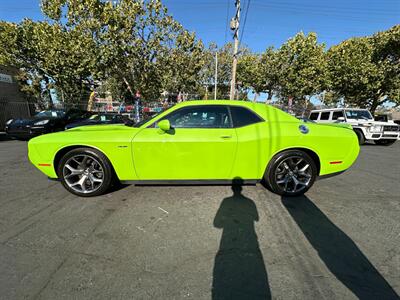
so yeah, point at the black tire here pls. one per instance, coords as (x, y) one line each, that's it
(360, 136)
(273, 171)
(97, 160)
(385, 142)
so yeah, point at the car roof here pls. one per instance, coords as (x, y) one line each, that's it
(264, 110)
(218, 102)
(337, 109)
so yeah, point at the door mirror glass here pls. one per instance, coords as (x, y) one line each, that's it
(164, 125)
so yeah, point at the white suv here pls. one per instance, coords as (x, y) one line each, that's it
(364, 125)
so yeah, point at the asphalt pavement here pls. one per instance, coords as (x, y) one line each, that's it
(340, 241)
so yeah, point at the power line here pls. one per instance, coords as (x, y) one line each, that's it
(227, 20)
(244, 21)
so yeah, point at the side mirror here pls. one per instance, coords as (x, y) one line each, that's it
(340, 119)
(164, 125)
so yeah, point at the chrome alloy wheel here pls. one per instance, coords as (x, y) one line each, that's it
(83, 173)
(293, 174)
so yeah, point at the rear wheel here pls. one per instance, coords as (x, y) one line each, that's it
(291, 173)
(385, 142)
(360, 136)
(85, 172)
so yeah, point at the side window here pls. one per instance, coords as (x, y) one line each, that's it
(205, 116)
(325, 115)
(337, 114)
(314, 116)
(242, 116)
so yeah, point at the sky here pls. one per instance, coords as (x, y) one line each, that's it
(268, 22)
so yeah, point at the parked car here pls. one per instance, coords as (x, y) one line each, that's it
(43, 122)
(363, 123)
(101, 118)
(198, 142)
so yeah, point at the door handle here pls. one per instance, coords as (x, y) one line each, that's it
(226, 137)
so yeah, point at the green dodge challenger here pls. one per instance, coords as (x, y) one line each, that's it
(198, 142)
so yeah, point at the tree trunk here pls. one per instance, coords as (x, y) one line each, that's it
(255, 97)
(129, 87)
(269, 98)
(51, 104)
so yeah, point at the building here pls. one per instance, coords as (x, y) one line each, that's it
(13, 104)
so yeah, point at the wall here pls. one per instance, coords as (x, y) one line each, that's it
(12, 102)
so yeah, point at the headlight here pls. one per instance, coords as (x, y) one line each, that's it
(9, 121)
(375, 128)
(42, 122)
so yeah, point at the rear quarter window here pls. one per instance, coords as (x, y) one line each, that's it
(314, 116)
(242, 116)
(337, 114)
(325, 115)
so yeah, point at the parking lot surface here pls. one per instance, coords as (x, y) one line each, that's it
(340, 241)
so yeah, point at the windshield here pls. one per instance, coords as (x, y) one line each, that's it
(358, 114)
(49, 114)
(145, 120)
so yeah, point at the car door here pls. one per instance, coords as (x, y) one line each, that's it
(201, 145)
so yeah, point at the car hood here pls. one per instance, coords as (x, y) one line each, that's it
(82, 123)
(101, 127)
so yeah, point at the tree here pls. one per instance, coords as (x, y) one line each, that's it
(89, 41)
(183, 64)
(249, 73)
(49, 54)
(302, 68)
(260, 72)
(366, 71)
(225, 54)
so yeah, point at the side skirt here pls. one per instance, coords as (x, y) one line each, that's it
(189, 182)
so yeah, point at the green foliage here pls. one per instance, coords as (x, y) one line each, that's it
(89, 41)
(136, 45)
(301, 67)
(366, 71)
(225, 57)
(260, 72)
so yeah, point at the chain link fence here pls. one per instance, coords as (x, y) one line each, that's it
(135, 110)
(12, 110)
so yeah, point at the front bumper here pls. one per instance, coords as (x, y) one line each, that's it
(26, 131)
(44, 164)
(386, 135)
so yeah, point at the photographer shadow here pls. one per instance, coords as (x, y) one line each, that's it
(337, 250)
(239, 269)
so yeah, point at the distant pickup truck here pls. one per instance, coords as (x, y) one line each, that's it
(364, 125)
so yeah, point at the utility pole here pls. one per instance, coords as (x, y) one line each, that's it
(216, 76)
(235, 28)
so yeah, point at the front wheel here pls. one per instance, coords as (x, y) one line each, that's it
(360, 137)
(85, 172)
(291, 173)
(385, 142)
